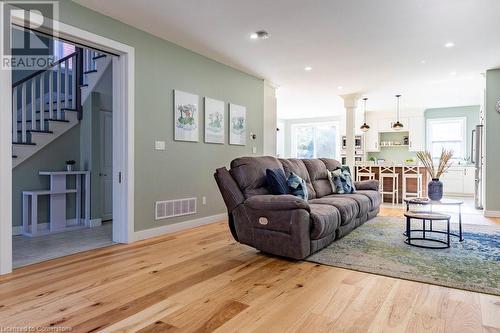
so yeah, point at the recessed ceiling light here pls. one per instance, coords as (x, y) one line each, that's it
(308, 68)
(261, 34)
(423, 62)
(449, 44)
(453, 73)
(340, 87)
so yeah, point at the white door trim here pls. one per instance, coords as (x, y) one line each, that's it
(123, 145)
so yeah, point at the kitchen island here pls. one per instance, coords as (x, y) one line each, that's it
(411, 184)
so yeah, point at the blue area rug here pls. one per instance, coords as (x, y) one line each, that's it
(378, 247)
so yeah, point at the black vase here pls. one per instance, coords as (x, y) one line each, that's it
(435, 189)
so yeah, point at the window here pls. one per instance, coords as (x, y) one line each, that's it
(448, 133)
(314, 140)
(62, 49)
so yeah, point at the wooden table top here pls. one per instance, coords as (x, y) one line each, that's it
(427, 215)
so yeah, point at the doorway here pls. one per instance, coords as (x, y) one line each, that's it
(122, 176)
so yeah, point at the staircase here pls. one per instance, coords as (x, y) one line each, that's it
(48, 103)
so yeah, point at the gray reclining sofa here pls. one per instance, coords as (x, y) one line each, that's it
(286, 225)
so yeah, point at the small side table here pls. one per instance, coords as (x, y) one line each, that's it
(58, 195)
(427, 216)
(443, 202)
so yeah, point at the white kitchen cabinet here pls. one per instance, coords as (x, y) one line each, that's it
(372, 138)
(459, 181)
(416, 129)
(385, 124)
(469, 180)
(453, 182)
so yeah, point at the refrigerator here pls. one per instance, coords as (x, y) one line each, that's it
(477, 156)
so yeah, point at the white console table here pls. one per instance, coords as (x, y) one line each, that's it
(58, 195)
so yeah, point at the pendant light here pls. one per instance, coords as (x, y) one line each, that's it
(365, 126)
(397, 125)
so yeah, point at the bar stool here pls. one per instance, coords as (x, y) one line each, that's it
(389, 171)
(412, 172)
(364, 172)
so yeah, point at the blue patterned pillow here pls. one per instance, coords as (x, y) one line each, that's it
(342, 180)
(277, 181)
(297, 186)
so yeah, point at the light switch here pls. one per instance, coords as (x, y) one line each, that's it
(159, 145)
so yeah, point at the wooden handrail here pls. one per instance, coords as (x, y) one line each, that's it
(31, 76)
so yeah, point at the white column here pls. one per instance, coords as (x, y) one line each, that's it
(350, 105)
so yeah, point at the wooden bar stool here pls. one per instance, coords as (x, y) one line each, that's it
(389, 171)
(412, 172)
(364, 172)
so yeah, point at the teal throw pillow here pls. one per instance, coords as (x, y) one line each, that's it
(297, 186)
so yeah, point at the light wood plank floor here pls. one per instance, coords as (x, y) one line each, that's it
(200, 280)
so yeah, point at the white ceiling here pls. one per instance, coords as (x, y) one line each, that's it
(365, 46)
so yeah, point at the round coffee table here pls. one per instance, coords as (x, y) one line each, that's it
(427, 216)
(442, 202)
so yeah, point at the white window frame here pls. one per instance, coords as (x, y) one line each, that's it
(428, 131)
(293, 133)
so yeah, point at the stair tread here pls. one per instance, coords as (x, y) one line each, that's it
(36, 131)
(24, 143)
(90, 71)
(84, 85)
(14, 156)
(49, 119)
(62, 101)
(62, 109)
(99, 56)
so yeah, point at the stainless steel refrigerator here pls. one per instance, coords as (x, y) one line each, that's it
(477, 156)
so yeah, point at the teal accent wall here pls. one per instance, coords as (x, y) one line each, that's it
(492, 140)
(184, 169)
(470, 112)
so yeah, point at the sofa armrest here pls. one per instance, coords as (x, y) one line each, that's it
(276, 202)
(367, 185)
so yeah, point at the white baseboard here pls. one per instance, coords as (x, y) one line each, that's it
(94, 223)
(492, 213)
(167, 229)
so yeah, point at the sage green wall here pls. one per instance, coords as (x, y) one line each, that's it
(185, 169)
(492, 140)
(470, 112)
(52, 157)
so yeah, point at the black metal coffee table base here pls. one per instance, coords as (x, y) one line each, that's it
(427, 216)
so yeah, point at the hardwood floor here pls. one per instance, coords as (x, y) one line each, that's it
(201, 280)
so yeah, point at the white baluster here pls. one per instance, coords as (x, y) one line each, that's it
(58, 92)
(51, 94)
(23, 112)
(66, 84)
(33, 104)
(14, 115)
(73, 82)
(42, 102)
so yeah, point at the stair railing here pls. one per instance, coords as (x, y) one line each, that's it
(65, 95)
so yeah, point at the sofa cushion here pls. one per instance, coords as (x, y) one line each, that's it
(363, 202)
(325, 220)
(319, 177)
(331, 164)
(276, 181)
(297, 166)
(374, 196)
(347, 207)
(250, 173)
